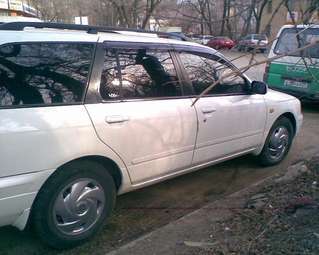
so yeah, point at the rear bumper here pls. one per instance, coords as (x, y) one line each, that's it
(15, 208)
(17, 194)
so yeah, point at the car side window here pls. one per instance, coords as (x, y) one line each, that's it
(203, 72)
(138, 73)
(43, 73)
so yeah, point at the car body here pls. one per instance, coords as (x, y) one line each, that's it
(221, 42)
(103, 113)
(296, 73)
(253, 41)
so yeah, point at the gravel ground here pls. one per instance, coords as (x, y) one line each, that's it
(282, 218)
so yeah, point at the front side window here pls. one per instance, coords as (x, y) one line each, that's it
(203, 72)
(43, 73)
(138, 73)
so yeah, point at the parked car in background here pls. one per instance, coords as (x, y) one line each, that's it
(196, 38)
(174, 35)
(221, 42)
(205, 39)
(290, 73)
(253, 41)
(202, 39)
(88, 113)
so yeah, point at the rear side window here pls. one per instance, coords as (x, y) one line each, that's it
(138, 73)
(44, 73)
(288, 42)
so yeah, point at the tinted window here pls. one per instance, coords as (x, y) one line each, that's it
(289, 42)
(43, 73)
(203, 72)
(138, 74)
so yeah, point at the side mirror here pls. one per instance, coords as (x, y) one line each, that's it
(259, 87)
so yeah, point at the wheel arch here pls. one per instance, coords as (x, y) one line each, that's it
(292, 119)
(109, 165)
(25, 219)
(290, 116)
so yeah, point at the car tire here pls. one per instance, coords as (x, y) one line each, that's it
(73, 204)
(277, 143)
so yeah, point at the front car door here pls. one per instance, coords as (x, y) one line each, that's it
(142, 115)
(231, 120)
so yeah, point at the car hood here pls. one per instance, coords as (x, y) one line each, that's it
(278, 96)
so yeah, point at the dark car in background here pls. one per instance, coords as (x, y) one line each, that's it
(252, 42)
(221, 42)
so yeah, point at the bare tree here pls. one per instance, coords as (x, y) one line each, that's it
(133, 13)
(258, 8)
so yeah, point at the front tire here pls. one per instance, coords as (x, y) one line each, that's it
(73, 204)
(278, 142)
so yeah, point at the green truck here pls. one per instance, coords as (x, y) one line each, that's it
(297, 72)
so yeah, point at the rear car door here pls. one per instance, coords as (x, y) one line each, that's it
(231, 121)
(42, 116)
(141, 113)
(42, 87)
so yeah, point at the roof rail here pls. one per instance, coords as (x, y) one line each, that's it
(20, 26)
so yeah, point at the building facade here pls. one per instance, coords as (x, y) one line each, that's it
(276, 15)
(17, 8)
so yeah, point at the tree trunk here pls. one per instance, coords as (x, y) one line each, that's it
(224, 17)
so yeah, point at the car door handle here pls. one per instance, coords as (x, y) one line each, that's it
(116, 119)
(208, 110)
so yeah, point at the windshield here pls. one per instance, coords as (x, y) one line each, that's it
(222, 38)
(259, 37)
(288, 42)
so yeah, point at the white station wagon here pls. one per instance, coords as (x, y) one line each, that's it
(88, 113)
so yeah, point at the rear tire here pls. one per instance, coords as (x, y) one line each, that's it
(278, 142)
(73, 204)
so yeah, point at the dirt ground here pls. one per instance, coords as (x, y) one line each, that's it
(282, 218)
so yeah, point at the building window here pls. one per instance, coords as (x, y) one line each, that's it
(4, 13)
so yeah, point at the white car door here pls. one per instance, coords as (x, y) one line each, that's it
(230, 120)
(142, 115)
